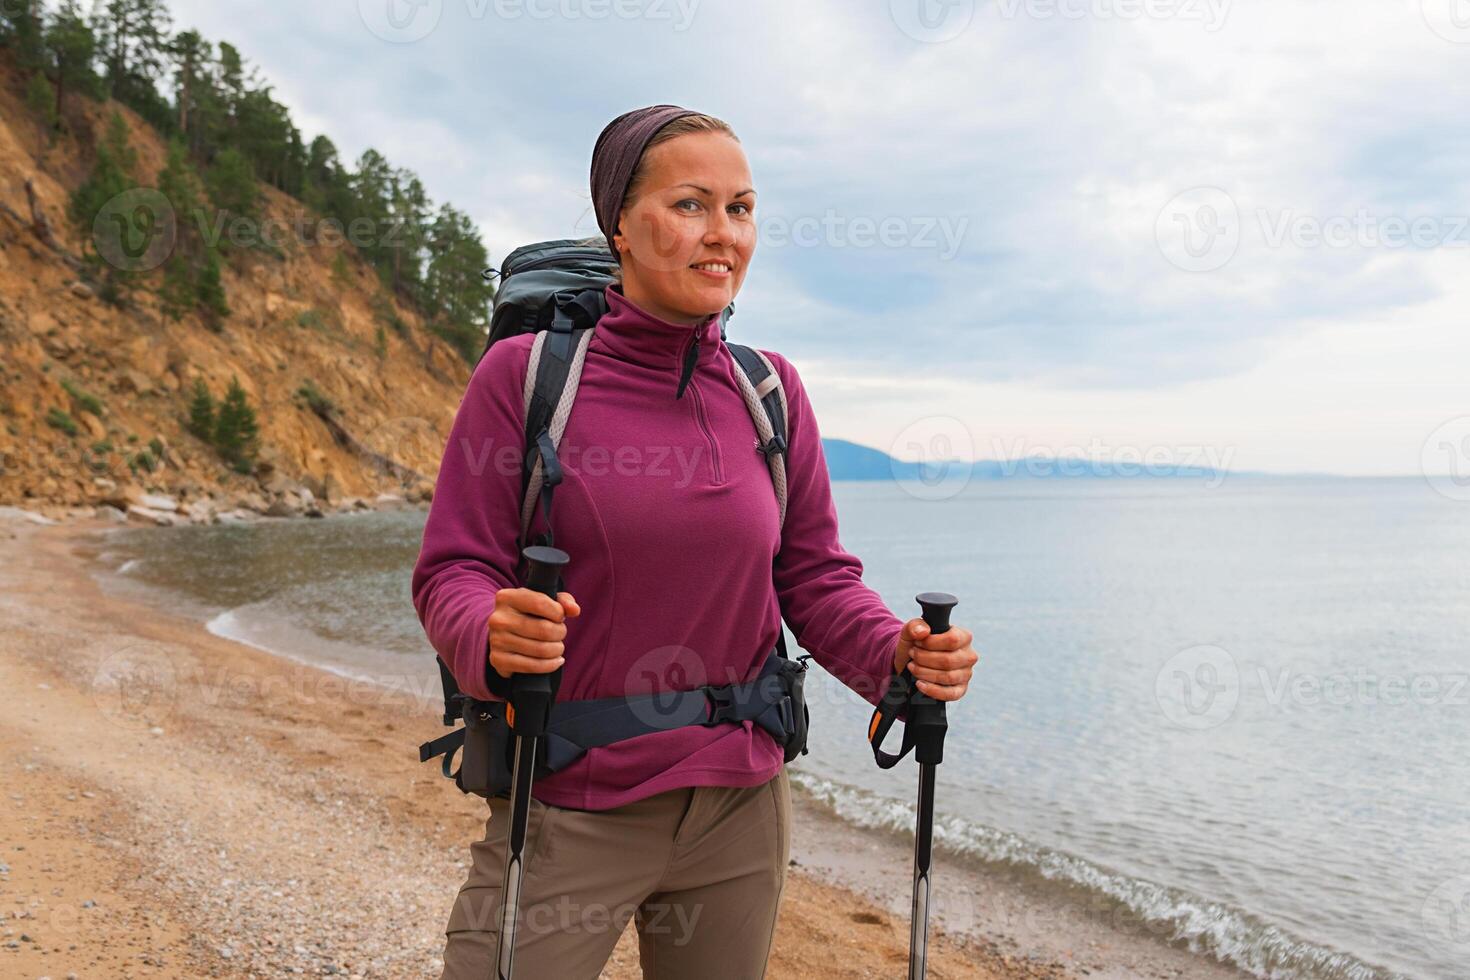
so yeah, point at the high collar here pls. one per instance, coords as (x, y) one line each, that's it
(631, 333)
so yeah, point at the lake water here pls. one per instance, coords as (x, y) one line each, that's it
(1240, 712)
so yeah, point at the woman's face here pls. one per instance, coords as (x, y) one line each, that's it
(695, 204)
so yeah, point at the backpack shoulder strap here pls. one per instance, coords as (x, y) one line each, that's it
(552, 375)
(766, 400)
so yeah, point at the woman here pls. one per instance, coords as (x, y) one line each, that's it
(668, 512)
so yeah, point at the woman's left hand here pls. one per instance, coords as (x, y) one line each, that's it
(941, 664)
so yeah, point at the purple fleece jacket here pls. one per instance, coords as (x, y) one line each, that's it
(677, 560)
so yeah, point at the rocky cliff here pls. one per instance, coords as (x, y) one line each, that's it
(352, 394)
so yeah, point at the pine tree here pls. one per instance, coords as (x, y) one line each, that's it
(132, 38)
(456, 297)
(326, 185)
(21, 31)
(180, 187)
(111, 175)
(235, 428)
(231, 183)
(210, 291)
(70, 46)
(371, 215)
(409, 215)
(115, 235)
(178, 294)
(190, 53)
(201, 412)
(40, 100)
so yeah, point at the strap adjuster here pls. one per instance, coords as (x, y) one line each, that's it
(721, 702)
(776, 444)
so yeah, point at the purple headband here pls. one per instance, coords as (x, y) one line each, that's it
(616, 155)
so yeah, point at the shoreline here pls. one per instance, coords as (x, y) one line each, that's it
(994, 925)
(190, 809)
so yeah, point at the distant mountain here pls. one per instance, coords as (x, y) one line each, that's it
(853, 461)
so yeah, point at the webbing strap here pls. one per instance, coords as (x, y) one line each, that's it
(890, 709)
(573, 727)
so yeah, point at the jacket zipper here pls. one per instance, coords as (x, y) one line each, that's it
(714, 452)
(686, 379)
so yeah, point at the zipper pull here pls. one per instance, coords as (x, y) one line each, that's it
(689, 358)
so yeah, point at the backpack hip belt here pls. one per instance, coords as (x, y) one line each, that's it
(774, 700)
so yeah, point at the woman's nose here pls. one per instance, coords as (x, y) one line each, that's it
(721, 231)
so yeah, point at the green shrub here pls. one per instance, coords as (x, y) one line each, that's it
(201, 412)
(341, 273)
(235, 429)
(315, 400)
(86, 401)
(311, 319)
(58, 419)
(229, 426)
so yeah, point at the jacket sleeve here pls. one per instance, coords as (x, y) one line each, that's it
(469, 546)
(833, 615)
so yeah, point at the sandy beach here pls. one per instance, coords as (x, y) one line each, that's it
(180, 805)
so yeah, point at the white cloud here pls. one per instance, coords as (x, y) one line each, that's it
(1057, 139)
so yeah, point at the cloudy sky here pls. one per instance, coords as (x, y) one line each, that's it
(1235, 231)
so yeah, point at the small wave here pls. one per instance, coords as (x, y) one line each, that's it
(278, 638)
(129, 565)
(1206, 928)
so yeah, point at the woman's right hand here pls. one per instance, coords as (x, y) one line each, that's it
(526, 631)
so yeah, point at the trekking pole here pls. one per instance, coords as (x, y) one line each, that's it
(924, 733)
(526, 714)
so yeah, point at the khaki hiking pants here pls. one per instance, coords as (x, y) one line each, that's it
(698, 870)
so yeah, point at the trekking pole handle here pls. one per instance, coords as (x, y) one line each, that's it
(531, 694)
(545, 564)
(927, 716)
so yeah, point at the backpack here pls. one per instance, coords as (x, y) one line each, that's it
(554, 289)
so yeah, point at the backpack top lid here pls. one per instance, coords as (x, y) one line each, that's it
(537, 279)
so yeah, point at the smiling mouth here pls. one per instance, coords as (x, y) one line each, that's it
(713, 268)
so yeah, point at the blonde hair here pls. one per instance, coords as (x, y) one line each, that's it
(683, 126)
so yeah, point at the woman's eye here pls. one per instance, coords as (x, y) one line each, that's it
(687, 200)
(746, 208)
